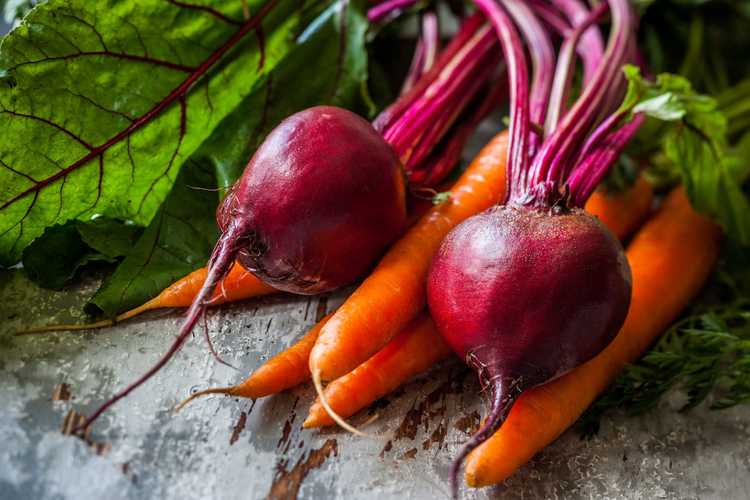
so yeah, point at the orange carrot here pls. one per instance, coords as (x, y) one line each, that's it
(394, 293)
(239, 284)
(419, 346)
(411, 352)
(671, 257)
(622, 212)
(283, 371)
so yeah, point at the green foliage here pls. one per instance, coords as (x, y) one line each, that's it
(311, 55)
(178, 240)
(692, 135)
(702, 40)
(54, 258)
(102, 102)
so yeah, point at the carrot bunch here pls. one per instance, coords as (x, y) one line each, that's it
(675, 241)
(384, 301)
(382, 335)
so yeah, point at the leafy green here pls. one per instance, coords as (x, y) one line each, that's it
(622, 175)
(109, 237)
(693, 138)
(53, 259)
(704, 355)
(102, 102)
(178, 240)
(180, 237)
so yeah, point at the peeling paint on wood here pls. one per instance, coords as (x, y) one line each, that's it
(238, 428)
(287, 483)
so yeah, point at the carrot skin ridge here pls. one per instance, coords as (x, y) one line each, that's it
(676, 242)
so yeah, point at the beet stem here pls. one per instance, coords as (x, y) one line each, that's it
(554, 158)
(595, 166)
(565, 67)
(219, 264)
(551, 16)
(518, 79)
(426, 51)
(501, 405)
(542, 64)
(591, 48)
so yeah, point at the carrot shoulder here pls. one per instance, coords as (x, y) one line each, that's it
(411, 352)
(671, 257)
(394, 293)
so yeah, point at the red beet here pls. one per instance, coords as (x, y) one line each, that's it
(316, 205)
(320, 199)
(524, 296)
(526, 292)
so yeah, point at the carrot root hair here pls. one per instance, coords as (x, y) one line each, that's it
(228, 391)
(501, 404)
(335, 416)
(219, 264)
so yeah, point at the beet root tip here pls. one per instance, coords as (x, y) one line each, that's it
(501, 404)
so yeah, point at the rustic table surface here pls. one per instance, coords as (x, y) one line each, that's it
(222, 447)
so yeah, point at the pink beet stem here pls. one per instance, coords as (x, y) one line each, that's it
(553, 159)
(542, 63)
(518, 79)
(565, 67)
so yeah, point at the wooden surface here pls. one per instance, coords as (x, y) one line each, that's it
(222, 447)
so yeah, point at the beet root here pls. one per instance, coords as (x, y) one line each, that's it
(524, 296)
(319, 202)
(316, 206)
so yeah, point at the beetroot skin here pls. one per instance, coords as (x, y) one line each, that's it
(528, 295)
(524, 296)
(321, 199)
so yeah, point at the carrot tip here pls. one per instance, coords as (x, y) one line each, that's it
(335, 416)
(64, 328)
(205, 392)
